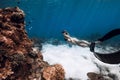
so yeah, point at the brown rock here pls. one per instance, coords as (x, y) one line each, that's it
(18, 59)
(95, 76)
(54, 72)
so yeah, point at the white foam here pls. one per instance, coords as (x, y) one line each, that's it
(77, 61)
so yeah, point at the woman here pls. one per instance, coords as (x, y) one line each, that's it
(111, 58)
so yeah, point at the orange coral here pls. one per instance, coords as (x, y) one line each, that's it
(18, 59)
(55, 72)
(6, 71)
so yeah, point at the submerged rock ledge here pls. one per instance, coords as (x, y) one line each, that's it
(19, 60)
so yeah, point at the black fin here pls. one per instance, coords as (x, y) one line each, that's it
(110, 34)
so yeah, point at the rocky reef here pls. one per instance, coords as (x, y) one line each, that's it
(95, 76)
(19, 60)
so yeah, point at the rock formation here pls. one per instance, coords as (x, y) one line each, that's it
(95, 76)
(53, 72)
(19, 60)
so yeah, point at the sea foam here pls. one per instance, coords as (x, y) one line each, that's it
(77, 61)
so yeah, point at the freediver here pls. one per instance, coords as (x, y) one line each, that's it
(111, 58)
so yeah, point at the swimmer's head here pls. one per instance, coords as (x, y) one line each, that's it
(66, 35)
(64, 32)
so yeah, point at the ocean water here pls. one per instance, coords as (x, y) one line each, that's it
(84, 19)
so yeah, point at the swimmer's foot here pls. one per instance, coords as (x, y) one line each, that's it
(92, 46)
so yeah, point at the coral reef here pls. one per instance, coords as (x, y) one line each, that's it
(53, 72)
(19, 60)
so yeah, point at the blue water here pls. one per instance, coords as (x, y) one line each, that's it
(82, 18)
